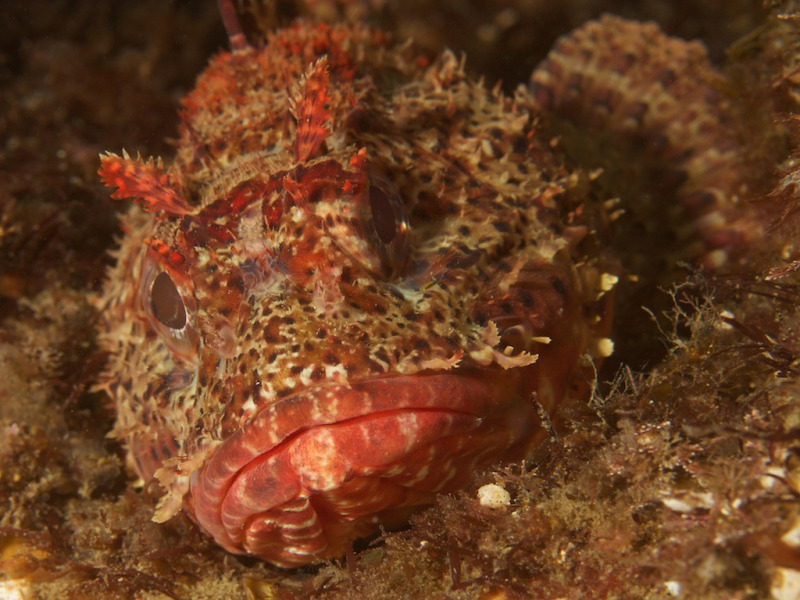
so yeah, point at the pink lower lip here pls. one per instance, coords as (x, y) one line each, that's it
(333, 449)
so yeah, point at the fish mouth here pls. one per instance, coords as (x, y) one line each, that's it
(310, 473)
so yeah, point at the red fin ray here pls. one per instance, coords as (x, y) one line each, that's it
(310, 109)
(145, 181)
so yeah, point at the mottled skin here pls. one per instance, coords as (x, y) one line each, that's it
(361, 282)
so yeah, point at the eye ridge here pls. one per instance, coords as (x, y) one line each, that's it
(166, 302)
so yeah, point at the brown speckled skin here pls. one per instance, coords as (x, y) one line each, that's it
(371, 252)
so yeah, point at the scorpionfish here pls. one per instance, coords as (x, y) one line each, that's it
(365, 275)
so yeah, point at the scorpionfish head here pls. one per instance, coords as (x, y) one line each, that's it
(350, 290)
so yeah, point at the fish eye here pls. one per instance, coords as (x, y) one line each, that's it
(166, 302)
(366, 219)
(389, 221)
(383, 217)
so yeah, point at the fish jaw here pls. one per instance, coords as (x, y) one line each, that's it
(304, 477)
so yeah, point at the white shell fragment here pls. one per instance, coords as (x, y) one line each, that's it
(493, 496)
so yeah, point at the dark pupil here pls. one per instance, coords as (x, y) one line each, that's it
(382, 214)
(167, 304)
